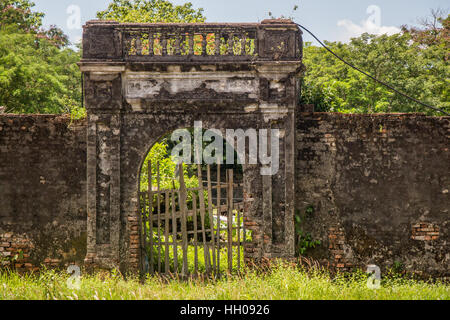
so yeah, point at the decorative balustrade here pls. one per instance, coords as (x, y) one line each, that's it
(270, 40)
(209, 42)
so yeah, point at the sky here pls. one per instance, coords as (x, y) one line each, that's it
(332, 20)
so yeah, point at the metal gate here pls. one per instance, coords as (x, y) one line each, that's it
(192, 231)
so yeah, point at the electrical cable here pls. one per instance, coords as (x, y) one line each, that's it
(372, 77)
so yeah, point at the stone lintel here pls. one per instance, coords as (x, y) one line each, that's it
(102, 68)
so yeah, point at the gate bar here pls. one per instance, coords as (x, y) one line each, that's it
(158, 199)
(174, 234)
(201, 198)
(230, 220)
(211, 217)
(194, 208)
(150, 216)
(219, 191)
(166, 233)
(183, 207)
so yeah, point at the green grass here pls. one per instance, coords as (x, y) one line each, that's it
(223, 266)
(159, 250)
(282, 283)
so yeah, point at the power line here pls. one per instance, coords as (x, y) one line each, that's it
(372, 77)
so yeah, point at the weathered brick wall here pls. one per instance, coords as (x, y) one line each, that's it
(42, 191)
(379, 189)
(378, 186)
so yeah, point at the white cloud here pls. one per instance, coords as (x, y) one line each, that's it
(371, 25)
(354, 30)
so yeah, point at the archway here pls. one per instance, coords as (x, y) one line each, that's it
(134, 97)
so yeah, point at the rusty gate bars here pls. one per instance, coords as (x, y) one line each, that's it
(150, 216)
(244, 230)
(211, 218)
(183, 207)
(202, 218)
(230, 219)
(143, 212)
(158, 198)
(170, 214)
(238, 225)
(175, 234)
(194, 216)
(218, 217)
(166, 232)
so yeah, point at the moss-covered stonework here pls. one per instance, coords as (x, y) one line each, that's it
(379, 185)
(42, 190)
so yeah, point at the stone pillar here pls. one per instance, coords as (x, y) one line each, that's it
(279, 92)
(103, 98)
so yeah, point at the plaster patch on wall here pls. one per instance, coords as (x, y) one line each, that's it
(149, 86)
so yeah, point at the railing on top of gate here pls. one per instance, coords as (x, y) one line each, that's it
(201, 42)
(198, 42)
(196, 236)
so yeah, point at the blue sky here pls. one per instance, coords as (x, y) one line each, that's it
(333, 20)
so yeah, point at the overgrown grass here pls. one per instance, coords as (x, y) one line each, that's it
(201, 265)
(281, 283)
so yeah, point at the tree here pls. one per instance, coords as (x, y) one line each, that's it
(56, 36)
(434, 29)
(38, 72)
(35, 75)
(151, 11)
(419, 70)
(20, 14)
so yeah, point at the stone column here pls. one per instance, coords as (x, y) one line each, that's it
(279, 94)
(103, 98)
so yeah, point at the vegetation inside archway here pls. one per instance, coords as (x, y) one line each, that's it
(165, 188)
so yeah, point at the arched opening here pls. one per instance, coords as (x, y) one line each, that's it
(193, 218)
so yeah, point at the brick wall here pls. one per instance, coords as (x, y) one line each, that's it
(42, 191)
(15, 252)
(378, 185)
(379, 188)
(336, 238)
(425, 232)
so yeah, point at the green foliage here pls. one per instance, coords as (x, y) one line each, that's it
(435, 30)
(304, 240)
(309, 210)
(77, 113)
(11, 260)
(167, 170)
(56, 36)
(419, 71)
(35, 75)
(151, 11)
(19, 13)
(38, 73)
(191, 257)
(398, 267)
(291, 16)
